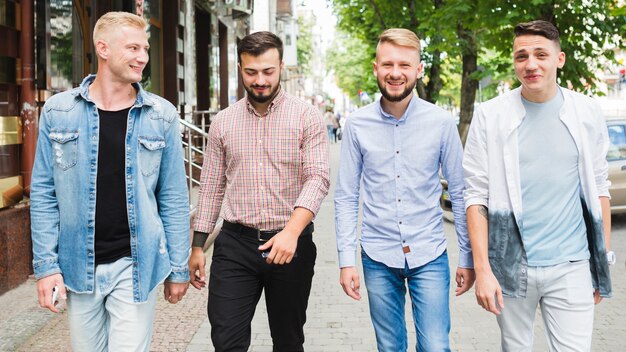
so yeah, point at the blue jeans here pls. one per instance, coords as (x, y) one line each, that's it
(108, 319)
(429, 287)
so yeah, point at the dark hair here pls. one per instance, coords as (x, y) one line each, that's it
(538, 27)
(258, 43)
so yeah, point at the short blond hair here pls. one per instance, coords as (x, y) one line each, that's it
(400, 37)
(114, 20)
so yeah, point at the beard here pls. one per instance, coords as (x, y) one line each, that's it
(261, 98)
(399, 97)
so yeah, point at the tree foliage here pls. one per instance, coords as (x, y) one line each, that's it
(304, 43)
(472, 39)
(351, 61)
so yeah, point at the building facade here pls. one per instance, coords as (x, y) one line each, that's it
(47, 48)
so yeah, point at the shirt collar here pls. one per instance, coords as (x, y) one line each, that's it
(143, 97)
(274, 104)
(407, 112)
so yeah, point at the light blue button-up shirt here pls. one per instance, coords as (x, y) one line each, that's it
(397, 161)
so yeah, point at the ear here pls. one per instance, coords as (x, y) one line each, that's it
(282, 64)
(420, 69)
(102, 49)
(561, 60)
(375, 68)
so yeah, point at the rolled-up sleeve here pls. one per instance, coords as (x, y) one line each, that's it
(600, 164)
(475, 164)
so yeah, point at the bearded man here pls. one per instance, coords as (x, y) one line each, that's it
(395, 148)
(267, 172)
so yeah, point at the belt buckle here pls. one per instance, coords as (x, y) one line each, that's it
(258, 235)
(269, 233)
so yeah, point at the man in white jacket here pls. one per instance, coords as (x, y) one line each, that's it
(537, 201)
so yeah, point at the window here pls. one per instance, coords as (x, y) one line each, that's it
(65, 68)
(152, 74)
(617, 146)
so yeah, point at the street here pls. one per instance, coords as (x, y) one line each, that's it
(335, 321)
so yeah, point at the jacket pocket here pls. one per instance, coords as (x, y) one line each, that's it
(64, 148)
(150, 152)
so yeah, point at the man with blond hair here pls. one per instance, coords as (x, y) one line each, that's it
(395, 147)
(109, 209)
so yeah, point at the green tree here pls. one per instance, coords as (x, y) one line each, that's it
(351, 61)
(473, 38)
(304, 43)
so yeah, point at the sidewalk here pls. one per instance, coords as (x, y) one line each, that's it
(335, 322)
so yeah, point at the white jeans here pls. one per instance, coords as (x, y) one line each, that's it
(108, 320)
(564, 293)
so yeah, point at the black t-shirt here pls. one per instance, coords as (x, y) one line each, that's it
(112, 233)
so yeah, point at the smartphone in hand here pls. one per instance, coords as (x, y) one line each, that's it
(55, 295)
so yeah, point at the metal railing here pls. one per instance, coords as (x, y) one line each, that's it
(195, 136)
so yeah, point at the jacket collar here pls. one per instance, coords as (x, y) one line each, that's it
(143, 97)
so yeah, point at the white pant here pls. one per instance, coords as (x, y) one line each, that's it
(108, 320)
(565, 294)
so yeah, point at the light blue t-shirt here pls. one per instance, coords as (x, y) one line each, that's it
(552, 227)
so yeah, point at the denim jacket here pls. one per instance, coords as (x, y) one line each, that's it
(492, 179)
(63, 192)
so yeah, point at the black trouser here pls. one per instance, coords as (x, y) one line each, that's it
(239, 274)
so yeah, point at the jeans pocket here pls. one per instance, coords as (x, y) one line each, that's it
(150, 152)
(64, 148)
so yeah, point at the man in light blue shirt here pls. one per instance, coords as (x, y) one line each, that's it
(396, 147)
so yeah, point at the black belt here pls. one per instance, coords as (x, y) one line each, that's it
(260, 235)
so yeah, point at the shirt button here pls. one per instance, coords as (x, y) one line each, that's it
(397, 152)
(398, 176)
(523, 271)
(260, 164)
(399, 200)
(400, 222)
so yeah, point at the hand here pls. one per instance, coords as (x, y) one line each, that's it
(283, 247)
(488, 290)
(44, 291)
(174, 291)
(464, 280)
(197, 262)
(349, 281)
(596, 296)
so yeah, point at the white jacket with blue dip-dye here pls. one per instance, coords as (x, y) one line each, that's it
(492, 179)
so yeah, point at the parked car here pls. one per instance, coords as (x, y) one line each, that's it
(616, 157)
